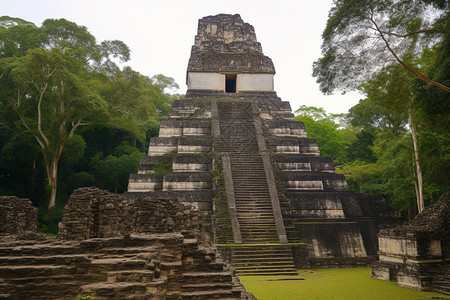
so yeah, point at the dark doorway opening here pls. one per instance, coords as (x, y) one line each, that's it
(230, 83)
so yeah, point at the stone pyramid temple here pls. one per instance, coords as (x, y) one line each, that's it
(232, 149)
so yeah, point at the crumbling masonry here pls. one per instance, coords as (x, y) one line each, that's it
(417, 255)
(110, 249)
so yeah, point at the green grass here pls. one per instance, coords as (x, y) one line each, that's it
(334, 284)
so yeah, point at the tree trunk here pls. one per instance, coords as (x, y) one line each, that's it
(52, 176)
(420, 201)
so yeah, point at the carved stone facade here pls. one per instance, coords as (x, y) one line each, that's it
(225, 43)
(417, 254)
(227, 57)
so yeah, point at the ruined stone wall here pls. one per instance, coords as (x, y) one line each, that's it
(415, 255)
(92, 213)
(17, 216)
(151, 215)
(168, 252)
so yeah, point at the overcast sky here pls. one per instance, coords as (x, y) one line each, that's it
(160, 35)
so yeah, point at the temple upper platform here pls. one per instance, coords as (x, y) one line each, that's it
(226, 56)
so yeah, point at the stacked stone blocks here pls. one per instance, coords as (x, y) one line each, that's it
(416, 255)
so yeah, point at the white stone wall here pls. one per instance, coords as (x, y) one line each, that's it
(254, 82)
(206, 81)
(216, 81)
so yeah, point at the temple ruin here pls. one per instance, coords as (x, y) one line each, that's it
(417, 255)
(230, 159)
(232, 149)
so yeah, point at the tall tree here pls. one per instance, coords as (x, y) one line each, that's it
(393, 89)
(363, 36)
(50, 86)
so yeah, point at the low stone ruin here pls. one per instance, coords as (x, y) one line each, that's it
(17, 216)
(92, 213)
(417, 255)
(110, 249)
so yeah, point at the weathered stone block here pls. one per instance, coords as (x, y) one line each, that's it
(17, 215)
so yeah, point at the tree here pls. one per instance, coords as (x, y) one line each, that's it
(332, 140)
(50, 87)
(393, 89)
(52, 102)
(113, 171)
(363, 36)
(396, 162)
(358, 171)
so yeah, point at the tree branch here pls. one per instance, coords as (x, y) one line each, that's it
(413, 32)
(39, 116)
(408, 68)
(16, 108)
(74, 127)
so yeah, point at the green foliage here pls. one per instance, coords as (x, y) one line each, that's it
(86, 295)
(63, 98)
(358, 32)
(49, 218)
(163, 167)
(112, 172)
(396, 160)
(332, 140)
(73, 151)
(360, 173)
(361, 148)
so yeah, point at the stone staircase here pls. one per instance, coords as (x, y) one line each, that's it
(261, 253)
(253, 203)
(441, 282)
(264, 259)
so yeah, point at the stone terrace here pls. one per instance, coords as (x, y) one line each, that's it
(110, 249)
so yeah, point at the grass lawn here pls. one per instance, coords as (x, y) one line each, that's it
(334, 284)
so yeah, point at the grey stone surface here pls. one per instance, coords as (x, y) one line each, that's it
(416, 255)
(224, 43)
(17, 216)
(282, 187)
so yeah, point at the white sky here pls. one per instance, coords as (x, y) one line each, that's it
(160, 35)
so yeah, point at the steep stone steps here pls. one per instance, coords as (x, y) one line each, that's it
(251, 194)
(26, 271)
(44, 290)
(117, 264)
(192, 287)
(201, 277)
(215, 294)
(275, 259)
(43, 260)
(124, 290)
(208, 285)
(130, 276)
(43, 250)
(441, 282)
